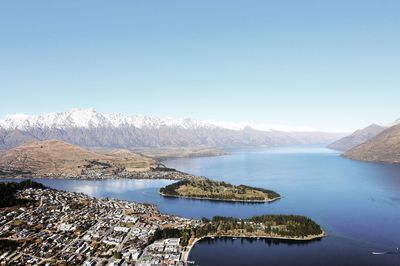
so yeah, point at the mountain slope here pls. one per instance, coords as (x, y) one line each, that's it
(358, 137)
(88, 128)
(385, 147)
(59, 159)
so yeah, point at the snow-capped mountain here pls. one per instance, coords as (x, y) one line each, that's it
(89, 128)
(89, 118)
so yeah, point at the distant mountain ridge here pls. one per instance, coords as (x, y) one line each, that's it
(89, 118)
(89, 128)
(385, 147)
(358, 137)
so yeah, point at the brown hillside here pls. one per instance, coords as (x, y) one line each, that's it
(385, 147)
(58, 158)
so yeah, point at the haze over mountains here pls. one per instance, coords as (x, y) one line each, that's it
(385, 147)
(375, 143)
(89, 128)
(358, 137)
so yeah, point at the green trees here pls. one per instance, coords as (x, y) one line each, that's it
(171, 189)
(183, 234)
(296, 225)
(265, 225)
(205, 220)
(271, 194)
(209, 189)
(8, 191)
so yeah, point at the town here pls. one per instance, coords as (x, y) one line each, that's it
(65, 228)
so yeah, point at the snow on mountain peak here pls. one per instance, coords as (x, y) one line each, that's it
(90, 118)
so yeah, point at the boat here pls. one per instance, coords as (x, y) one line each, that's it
(386, 252)
(234, 238)
(378, 253)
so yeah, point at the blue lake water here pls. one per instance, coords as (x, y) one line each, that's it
(357, 204)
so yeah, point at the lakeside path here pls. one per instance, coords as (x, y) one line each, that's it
(223, 200)
(186, 253)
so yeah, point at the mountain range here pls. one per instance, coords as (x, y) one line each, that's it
(384, 147)
(103, 132)
(375, 143)
(358, 137)
(89, 128)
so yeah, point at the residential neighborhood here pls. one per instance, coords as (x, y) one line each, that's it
(65, 228)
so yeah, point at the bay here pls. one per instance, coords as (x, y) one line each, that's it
(356, 203)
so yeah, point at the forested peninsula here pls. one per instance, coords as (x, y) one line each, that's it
(218, 190)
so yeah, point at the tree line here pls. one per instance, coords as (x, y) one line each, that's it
(8, 191)
(212, 190)
(278, 225)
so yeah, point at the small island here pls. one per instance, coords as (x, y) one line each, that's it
(207, 189)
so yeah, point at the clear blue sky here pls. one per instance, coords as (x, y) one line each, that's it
(321, 64)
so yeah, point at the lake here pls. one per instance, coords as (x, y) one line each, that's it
(356, 203)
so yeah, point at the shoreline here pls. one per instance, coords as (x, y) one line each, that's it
(189, 248)
(223, 200)
(103, 177)
(185, 254)
(84, 178)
